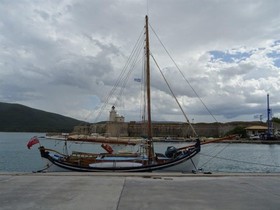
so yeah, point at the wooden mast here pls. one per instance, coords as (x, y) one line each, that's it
(149, 124)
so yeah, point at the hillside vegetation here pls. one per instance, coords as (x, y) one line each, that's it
(19, 118)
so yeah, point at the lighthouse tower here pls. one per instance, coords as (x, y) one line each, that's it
(113, 114)
(114, 117)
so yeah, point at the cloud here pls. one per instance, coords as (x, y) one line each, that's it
(65, 56)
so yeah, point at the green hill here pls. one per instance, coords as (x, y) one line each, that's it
(19, 118)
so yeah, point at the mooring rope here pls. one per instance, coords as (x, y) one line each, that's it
(44, 169)
(213, 156)
(239, 161)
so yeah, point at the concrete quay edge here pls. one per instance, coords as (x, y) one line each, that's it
(143, 175)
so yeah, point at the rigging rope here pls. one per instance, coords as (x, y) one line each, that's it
(208, 110)
(121, 76)
(125, 79)
(174, 95)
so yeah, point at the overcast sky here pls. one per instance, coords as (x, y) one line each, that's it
(64, 56)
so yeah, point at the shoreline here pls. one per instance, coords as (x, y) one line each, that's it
(181, 140)
(246, 141)
(233, 141)
(153, 175)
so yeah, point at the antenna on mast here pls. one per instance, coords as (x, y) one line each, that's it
(147, 8)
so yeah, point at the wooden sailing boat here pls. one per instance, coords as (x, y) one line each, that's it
(144, 160)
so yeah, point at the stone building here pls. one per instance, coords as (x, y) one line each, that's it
(117, 127)
(159, 129)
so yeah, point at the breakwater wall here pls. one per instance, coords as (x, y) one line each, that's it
(161, 129)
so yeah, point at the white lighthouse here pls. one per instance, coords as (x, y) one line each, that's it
(114, 117)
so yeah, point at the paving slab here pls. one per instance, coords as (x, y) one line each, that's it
(59, 192)
(127, 191)
(215, 193)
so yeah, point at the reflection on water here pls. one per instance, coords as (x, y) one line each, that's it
(14, 155)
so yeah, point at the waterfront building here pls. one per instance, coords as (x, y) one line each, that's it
(255, 131)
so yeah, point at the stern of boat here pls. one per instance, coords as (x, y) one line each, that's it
(43, 152)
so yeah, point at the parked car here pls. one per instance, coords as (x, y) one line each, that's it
(255, 137)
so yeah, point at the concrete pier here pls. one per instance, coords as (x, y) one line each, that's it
(98, 191)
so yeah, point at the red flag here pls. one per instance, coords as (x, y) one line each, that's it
(32, 141)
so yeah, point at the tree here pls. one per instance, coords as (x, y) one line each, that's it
(275, 119)
(239, 130)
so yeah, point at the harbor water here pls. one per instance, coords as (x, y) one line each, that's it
(216, 157)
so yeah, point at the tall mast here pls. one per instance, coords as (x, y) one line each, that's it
(148, 79)
(150, 145)
(268, 119)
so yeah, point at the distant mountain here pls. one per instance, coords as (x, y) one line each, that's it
(19, 118)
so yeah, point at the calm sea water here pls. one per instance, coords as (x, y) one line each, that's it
(15, 157)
